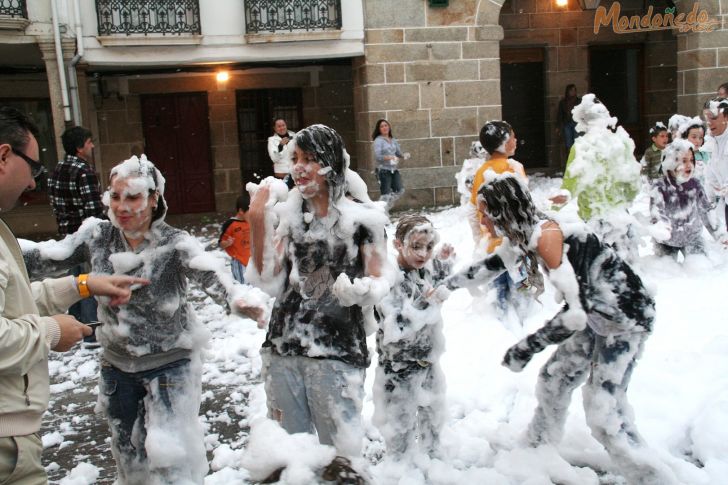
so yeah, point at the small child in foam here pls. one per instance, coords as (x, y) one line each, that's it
(409, 387)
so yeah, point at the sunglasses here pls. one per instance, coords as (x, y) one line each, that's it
(36, 168)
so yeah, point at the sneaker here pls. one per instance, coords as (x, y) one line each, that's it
(340, 472)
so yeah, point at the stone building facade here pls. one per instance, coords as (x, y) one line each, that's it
(436, 73)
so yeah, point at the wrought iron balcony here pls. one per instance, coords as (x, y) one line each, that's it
(145, 17)
(13, 8)
(292, 15)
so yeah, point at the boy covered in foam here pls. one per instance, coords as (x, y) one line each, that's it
(409, 388)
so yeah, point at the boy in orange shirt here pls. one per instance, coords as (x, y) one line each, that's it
(499, 140)
(235, 238)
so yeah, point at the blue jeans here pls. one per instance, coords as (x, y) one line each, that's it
(569, 131)
(162, 403)
(502, 285)
(322, 395)
(238, 270)
(389, 182)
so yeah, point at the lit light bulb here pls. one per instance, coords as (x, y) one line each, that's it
(222, 76)
(562, 3)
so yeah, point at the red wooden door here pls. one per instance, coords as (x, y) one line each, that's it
(177, 140)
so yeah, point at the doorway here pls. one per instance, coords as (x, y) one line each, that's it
(177, 139)
(524, 102)
(256, 109)
(616, 78)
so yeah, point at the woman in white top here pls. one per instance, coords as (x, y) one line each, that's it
(279, 149)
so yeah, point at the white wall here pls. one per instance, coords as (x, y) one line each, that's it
(222, 40)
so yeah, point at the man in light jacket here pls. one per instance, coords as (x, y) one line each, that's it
(27, 332)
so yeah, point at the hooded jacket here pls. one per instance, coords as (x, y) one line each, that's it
(26, 338)
(684, 207)
(157, 326)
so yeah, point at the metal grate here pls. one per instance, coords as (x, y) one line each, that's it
(13, 8)
(148, 17)
(291, 15)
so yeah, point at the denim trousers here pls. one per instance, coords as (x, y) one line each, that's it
(307, 395)
(238, 270)
(389, 182)
(156, 436)
(569, 131)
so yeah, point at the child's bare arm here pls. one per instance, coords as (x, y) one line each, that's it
(372, 257)
(256, 218)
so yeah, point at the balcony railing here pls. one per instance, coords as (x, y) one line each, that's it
(144, 17)
(13, 8)
(292, 15)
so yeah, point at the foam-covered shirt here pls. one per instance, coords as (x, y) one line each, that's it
(158, 325)
(410, 326)
(307, 318)
(684, 207)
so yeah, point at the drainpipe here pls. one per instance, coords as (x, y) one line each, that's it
(72, 77)
(61, 64)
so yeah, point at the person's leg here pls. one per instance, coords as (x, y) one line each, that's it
(432, 408)
(563, 372)
(238, 270)
(665, 250)
(397, 186)
(121, 399)
(502, 286)
(285, 393)
(695, 246)
(395, 412)
(335, 392)
(385, 183)
(608, 413)
(20, 461)
(174, 440)
(569, 131)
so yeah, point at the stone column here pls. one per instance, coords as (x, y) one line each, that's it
(702, 59)
(434, 73)
(48, 51)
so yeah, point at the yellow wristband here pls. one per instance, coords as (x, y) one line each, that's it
(83, 286)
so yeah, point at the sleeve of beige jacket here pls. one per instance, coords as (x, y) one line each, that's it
(26, 339)
(55, 295)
